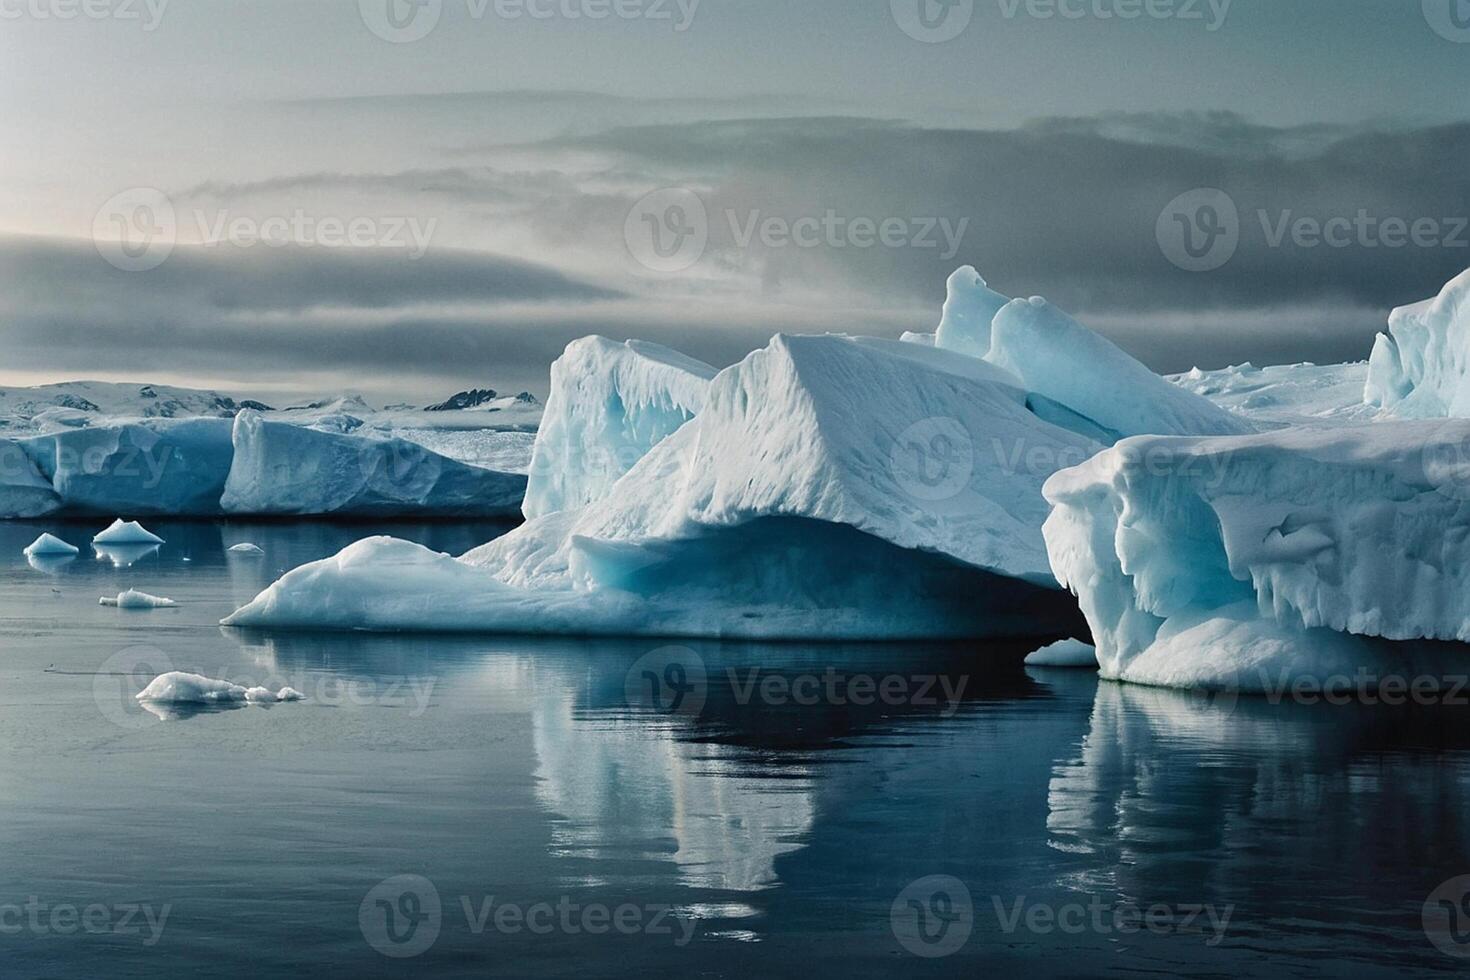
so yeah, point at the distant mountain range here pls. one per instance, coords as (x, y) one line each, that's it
(482, 399)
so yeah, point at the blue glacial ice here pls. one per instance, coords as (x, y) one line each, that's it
(1420, 368)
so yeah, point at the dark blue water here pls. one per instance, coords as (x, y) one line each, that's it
(520, 807)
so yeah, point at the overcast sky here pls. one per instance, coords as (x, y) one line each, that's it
(304, 196)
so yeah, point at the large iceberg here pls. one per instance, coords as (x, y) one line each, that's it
(284, 469)
(24, 489)
(969, 307)
(1243, 562)
(1421, 367)
(828, 487)
(610, 404)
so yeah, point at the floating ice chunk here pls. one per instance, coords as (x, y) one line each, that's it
(178, 687)
(969, 307)
(122, 532)
(610, 404)
(1421, 367)
(133, 599)
(1059, 358)
(1065, 653)
(1238, 561)
(286, 469)
(48, 545)
(246, 548)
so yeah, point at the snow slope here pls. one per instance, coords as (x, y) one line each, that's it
(609, 404)
(1285, 394)
(280, 468)
(1232, 562)
(828, 487)
(1421, 367)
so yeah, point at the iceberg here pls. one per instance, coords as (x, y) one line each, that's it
(245, 548)
(50, 545)
(133, 599)
(170, 467)
(828, 487)
(121, 533)
(178, 687)
(969, 308)
(1420, 368)
(1064, 653)
(610, 404)
(1242, 562)
(24, 490)
(282, 469)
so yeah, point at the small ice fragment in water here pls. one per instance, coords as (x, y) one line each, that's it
(246, 549)
(49, 544)
(126, 532)
(133, 599)
(1067, 653)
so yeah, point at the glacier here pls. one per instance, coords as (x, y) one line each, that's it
(610, 403)
(1239, 562)
(1420, 368)
(284, 469)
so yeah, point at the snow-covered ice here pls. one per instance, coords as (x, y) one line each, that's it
(50, 545)
(1285, 394)
(121, 532)
(1421, 367)
(827, 487)
(281, 468)
(610, 403)
(1064, 653)
(179, 687)
(969, 307)
(1229, 562)
(133, 599)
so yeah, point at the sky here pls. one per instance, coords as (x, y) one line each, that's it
(411, 197)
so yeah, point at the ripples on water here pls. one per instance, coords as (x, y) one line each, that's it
(530, 771)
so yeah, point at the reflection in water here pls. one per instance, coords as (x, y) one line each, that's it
(1322, 824)
(50, 564)
(125, 555)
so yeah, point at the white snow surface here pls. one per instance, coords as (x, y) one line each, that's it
(610, 403)
(1064, 653)
(133, 599)
(179, 687)
(1231, 562)
(1421, 367)
(827, 487)
(281, 468)
(1285, 394)
(121, 532)
(50, 544)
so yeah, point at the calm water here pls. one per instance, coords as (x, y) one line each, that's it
(556, 817)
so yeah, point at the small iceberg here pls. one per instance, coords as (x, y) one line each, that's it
(246, 549)
(178, 687)
(1066, 653)
(49, 545)
(133, 599)
(127, 532)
